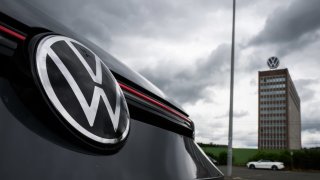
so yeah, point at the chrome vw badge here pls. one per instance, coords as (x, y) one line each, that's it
(273, 62)
(82, 89)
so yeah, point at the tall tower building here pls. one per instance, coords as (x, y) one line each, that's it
(279, 111)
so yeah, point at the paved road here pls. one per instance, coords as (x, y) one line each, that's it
(242, 173)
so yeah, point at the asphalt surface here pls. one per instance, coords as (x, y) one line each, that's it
(243, 173)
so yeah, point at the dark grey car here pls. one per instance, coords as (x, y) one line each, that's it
(69, 110)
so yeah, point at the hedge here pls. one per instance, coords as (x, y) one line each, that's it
(300, 159)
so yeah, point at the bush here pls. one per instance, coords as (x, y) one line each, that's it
(286, 158)
(264, 155)
(211, 145)
(212, 156)
(307, 159)
(223, 158)
(301, 159)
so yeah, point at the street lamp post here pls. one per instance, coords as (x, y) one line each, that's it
(229, 163)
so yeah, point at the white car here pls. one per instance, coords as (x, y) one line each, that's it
(265, 164)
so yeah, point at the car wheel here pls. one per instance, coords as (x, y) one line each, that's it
(252, 166)
(274, 168)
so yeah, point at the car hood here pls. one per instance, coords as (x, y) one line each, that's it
(33, 17)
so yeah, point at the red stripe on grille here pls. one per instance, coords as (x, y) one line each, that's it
(155, 102)
(12, 33)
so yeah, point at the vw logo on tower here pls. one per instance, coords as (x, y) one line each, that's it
(82, 90)
(273, 62)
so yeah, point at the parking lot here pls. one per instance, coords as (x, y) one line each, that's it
(248, 174)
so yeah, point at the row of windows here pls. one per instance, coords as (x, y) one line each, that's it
(271, 115)
(272, 96)
(274, 102)
(282, 138)
(273, 108)
(272, 111)
(273, 136)
(273, 125)
(278, 147)
(275, 129)
(272, 118)
(272, 92)
(274, 89)
(273, 144)
(277, 79)
(272, 121)
(275, 122)
(272, 86)
(273, 99)
(272, 105)
(272, 130)
(265, 136)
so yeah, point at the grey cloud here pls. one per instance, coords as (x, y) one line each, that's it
(208, 131)
(189, 84)
(290, 24)
(311, 141)
(236, 114)
(253, 82)
(311, 124)
(292, 28)
(255, 62)
(310, 118)
(299, 44)
(303, 87)
(226, 114)
(245, 138)
(239, 114)
(100, 21)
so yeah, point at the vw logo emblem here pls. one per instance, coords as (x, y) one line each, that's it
(82, 90)
(273, 62)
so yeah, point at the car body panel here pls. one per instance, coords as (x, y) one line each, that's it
(29, 151)
(35, 146)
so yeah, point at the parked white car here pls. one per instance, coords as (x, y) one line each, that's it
(265, 164)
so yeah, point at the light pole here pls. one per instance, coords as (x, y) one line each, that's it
(229, 163)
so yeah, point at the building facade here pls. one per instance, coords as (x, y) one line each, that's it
(279, 121)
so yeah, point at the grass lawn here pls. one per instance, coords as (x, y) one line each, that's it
(241, 155)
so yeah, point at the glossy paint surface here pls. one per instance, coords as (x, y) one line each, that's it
(28, 151)
(35, 146)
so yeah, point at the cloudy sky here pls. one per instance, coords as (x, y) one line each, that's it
(183, 47)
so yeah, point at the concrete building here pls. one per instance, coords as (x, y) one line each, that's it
(279, 124)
